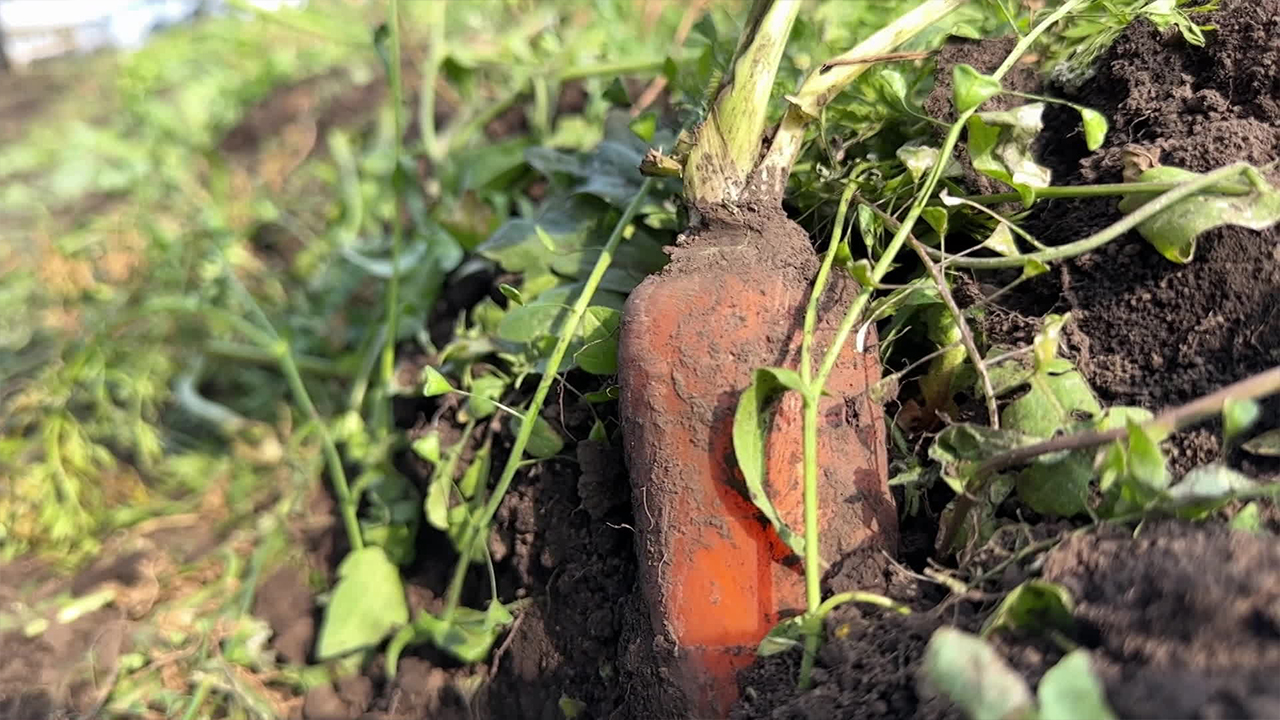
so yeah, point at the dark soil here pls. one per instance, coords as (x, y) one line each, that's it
(1181, 620)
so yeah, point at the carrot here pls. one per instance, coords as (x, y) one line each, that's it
(715, 573)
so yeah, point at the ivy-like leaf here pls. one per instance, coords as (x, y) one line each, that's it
(1000, 148)
(1173, 232)
(971, 88)
(367, 604)
(751, 422)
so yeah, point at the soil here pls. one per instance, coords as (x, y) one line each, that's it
(1181, 620)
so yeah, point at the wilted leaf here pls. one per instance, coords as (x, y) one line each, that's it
(1173, 232)
(1033, 605)
(1000, 147)
(784, 636)
(1210, 486)
(1266, 444)
(1070, 690)
(969, 672)
(367, 604)
(751, 422)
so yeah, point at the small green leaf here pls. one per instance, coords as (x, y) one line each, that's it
(1146, 461)
(784, 636)
(571, 708)
(1248, 519)
(599, 332)
(862, 272)
(544, 441)
(469, 638)
(937, 218)
(1265, 445)
(1033, 605)
(1210, 483)
(598, 432)
(511, 293)
(645, 126)
(1032, 268)
(477, 473)
(367, 604)
(1000, 148)
(918, 159)
(1173, 231)
(968, 671)
(427, 447)
(607, 394)
(1001, 241)
(433, 383)
(1071, 690)
(1238, 415)
(436, 505)
(971, 88)
(485, 391)
(1095, 128)
(751, 423)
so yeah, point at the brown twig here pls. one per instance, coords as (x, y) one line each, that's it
(966, 336)
(1171, 420)
(691, 15)
(872, 59)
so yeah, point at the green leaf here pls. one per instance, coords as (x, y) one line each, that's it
(971, 88)
(485, 391)
(1212, 484)
(436, 505)
(469, 638)
(476, 475)
(1095, 128)
(571, 708)
(1000, 148)
(919, 161)
(1238, 415)
(968, 671)
(544, 441)
(598, 433)
(1266, 444)
(511, 293)
(1173, 232)
(786, 635)
(937, 218)
(367, 604)
(1248, 519)
(1033, 605)
(962, 447)
(598, 351)
(1001, 241)
(1146, 460)
(427, 447)
(433, 383)
(1071, 690)
(751, 422)
(545, 315)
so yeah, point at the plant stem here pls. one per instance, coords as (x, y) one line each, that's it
(966, 335)
(728, 140)
(397, 227)
(826, 82)
(309, 364)
(1166, 200)
(1085, 191)
(1171, 420)
(567, 333)
(430, 76)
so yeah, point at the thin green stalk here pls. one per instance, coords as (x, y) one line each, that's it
(279, 348)
(549, 375)
(309, 364)
(397, 227)
(430, 75)
(925, 193)
(1087, 191)
(820, 283)
(1111, 232)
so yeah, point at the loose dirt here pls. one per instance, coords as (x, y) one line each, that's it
(1182, 619)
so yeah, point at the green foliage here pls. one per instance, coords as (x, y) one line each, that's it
(367, 580)
(1034, 605)
(968, 671)
(1000, 147)
(752, 421)
(1173, 232)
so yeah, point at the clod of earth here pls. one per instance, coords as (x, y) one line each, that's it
(715, 574)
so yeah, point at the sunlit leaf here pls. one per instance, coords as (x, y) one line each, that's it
(1095, 128)
(1000, 147)
(1173, 232)
(971, 88)
(433, 383)
(968, 671)
(751, 423)
(367, 604)
(1033, 605)
(1070, 690)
